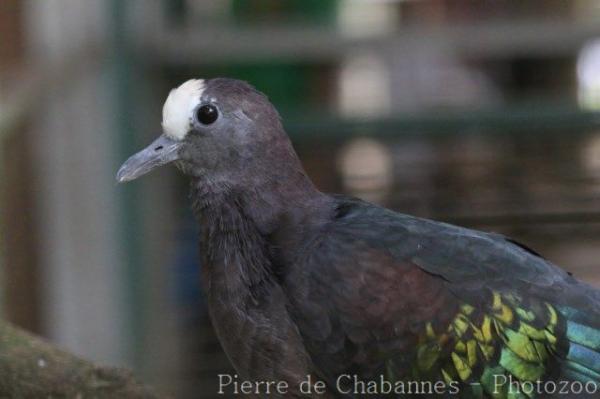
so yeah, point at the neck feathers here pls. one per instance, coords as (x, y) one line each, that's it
(241, 227)
(232, 247)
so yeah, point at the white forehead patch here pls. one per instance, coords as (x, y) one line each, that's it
(178, 108)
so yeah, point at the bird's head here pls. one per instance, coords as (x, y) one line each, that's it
(217, 129)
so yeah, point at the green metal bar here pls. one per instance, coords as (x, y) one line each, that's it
(2, 226)
(123, 85)
(519, 119)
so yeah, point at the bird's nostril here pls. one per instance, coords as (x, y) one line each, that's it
(160, 147)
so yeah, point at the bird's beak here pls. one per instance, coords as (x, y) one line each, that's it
(161, 152)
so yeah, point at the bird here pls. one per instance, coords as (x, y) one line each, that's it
(301, 283)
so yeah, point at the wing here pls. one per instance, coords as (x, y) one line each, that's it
(381, 293)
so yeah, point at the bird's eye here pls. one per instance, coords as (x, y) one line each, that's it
(207, 114)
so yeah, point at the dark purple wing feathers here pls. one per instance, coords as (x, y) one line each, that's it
(376, 278)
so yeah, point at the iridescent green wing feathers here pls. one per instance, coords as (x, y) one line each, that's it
(485, 347)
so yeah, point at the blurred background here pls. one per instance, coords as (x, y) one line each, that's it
(483, 114)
